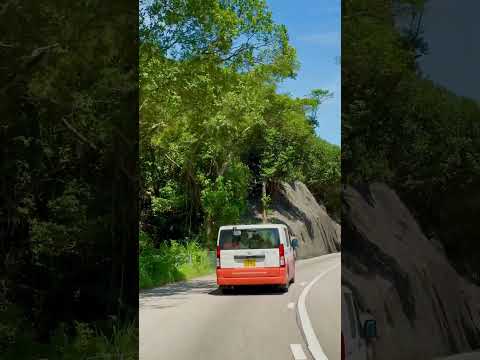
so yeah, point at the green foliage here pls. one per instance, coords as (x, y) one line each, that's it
(323, 175)
(170, 199)
(68, 194)
(313, 102)
(266, 200)
(285, 148)
(238, 33)
(67, 220)
(225, 200)
(170, 263)
(213, 127)
(81, 341)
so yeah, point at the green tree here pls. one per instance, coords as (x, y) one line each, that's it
(213, 127)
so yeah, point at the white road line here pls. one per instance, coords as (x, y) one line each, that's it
(303, 283)
(291, 305)
(311, 338)
(297, 352)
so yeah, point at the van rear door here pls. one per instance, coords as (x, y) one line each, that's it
(249, 248)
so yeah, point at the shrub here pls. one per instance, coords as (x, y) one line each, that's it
(86, 342)
(170, 263)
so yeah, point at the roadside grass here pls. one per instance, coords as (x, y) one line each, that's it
(171, 263)
(193, 271)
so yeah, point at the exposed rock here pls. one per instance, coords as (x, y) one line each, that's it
(295, 206)
(423, 308)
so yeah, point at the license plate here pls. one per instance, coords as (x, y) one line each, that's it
(249, 263)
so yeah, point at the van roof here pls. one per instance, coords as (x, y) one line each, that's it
(253, 226)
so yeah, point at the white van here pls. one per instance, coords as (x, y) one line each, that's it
(261, 254)
(356, 328)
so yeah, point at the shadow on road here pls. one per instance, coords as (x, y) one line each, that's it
(248, 290)
(181, 288)
(172, 295)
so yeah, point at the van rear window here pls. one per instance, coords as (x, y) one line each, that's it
(249, 239)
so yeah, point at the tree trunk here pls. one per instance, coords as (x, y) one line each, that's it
(208, 231)
(264, 195)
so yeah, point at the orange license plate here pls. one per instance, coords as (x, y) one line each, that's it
(249, 263)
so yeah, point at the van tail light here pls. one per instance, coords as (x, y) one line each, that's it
(218, 257)
(343, 348)
(281, 250)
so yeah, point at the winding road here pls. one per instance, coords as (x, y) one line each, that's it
(194, 320)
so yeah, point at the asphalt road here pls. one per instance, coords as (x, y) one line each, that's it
(193, 320)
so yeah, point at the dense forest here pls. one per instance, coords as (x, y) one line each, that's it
(215, 134)
(68, 184)
(400, 128)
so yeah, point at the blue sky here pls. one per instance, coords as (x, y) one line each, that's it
(314, 30)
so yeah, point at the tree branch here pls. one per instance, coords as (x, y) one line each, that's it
(173, 161)
(141, 106)
(79, 135)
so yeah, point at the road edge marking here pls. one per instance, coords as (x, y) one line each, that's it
(297, 351)
(291, 305)
(310, 337)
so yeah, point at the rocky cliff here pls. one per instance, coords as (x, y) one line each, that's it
(295, 206)
(422, 306)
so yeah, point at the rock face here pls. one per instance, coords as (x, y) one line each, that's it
(423, 308)
(295, 206)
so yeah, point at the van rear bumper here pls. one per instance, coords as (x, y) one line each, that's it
(254, 276)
